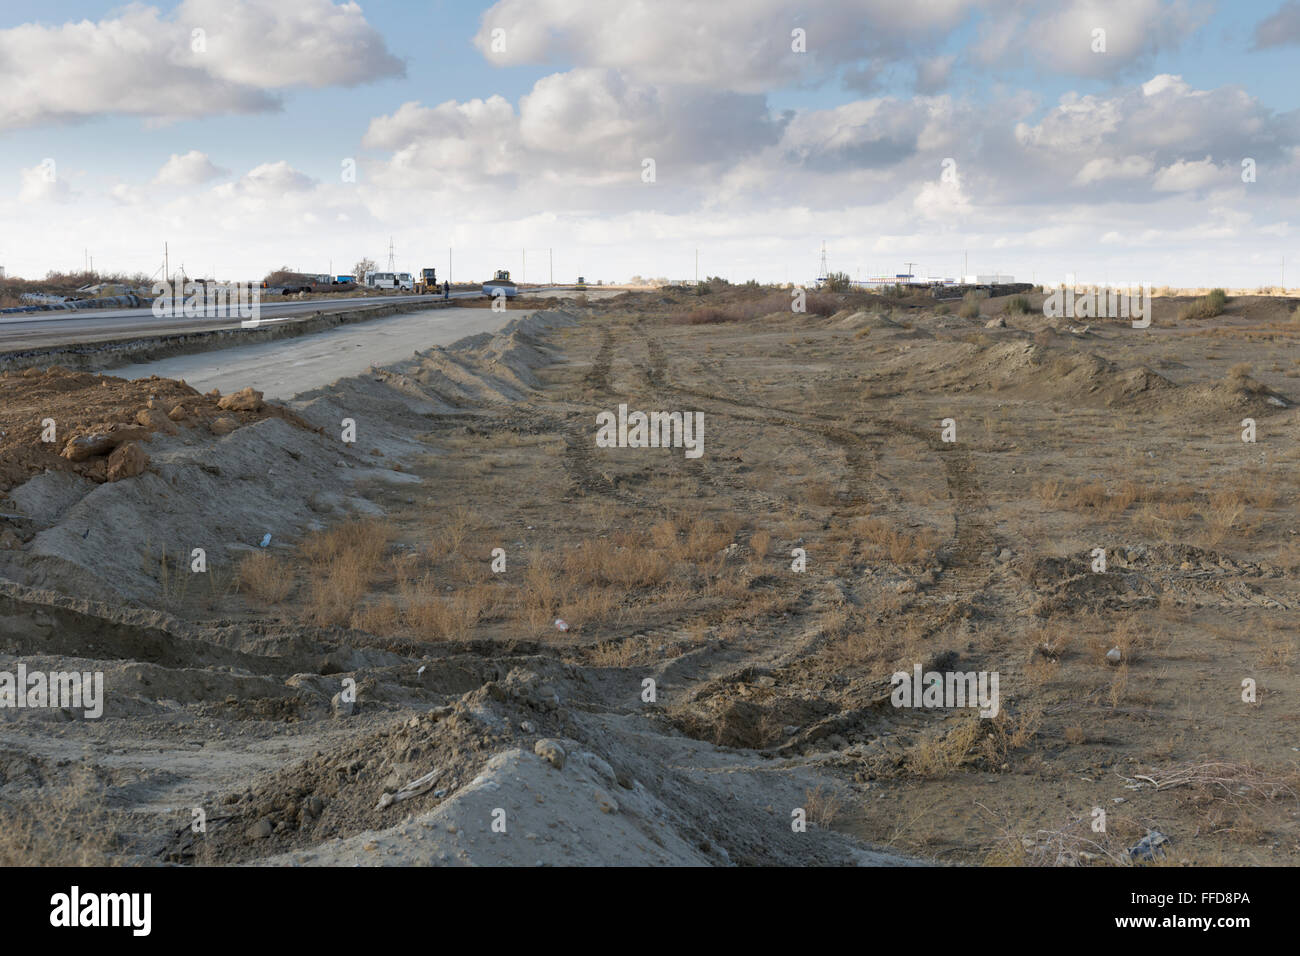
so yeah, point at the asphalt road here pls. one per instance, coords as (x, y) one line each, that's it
(37, 329)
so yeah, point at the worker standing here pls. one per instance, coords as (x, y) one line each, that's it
(446, 289)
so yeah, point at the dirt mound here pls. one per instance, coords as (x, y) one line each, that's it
(485, 368)
(59, 420)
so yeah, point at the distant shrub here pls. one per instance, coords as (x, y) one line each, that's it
(969, 310)
(839, 282)
(753, 308)
(1206, 307)
(708, 315)
(1019, 305)
(941, 310)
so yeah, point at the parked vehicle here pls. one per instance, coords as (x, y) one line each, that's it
(381, 280)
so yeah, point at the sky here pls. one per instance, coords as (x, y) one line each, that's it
(1133, 141)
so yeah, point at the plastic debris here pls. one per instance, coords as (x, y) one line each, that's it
(266, 539)
(561, 625)
(1150, 847)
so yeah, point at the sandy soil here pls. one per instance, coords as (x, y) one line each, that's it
(771, 685)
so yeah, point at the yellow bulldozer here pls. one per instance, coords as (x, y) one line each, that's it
(426, 283)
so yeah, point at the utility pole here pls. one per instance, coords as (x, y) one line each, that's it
(167, 269)
(449, 265)
(392, 261)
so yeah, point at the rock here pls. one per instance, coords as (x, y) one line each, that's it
(998, 323)
(88, 446)
(177, 414)
(324, 502)
(245, 400)
(261, 829)
(223, 425)
(127, 461)
(1114, 656)
(1004, 554)
(528, 727)
(600, 766)
(340, 707)
(606, 803)
(550, 751)
(906, 586)
(155, 419)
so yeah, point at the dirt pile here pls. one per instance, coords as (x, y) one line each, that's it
(58, 420)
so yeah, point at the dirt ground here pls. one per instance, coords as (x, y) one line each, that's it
(567, 653)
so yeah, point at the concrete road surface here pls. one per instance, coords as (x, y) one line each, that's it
(35, 329)
(286, 367)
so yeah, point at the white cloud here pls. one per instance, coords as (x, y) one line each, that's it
(1281, 29)
(268, 181)
(1063, 38)
(1182, 176)
(140, 63)
(191, 169)
(741, 45)
(42, 183)
(933, 74)
(1105, 168)
(591, 126)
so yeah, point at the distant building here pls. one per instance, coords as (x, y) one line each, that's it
(904, 278)
(993, 279)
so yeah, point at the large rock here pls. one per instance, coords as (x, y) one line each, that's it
(244, 400)
(127, 461)
(550, 751)
(223, 425)
(88, 446)
(81, 447)
(155, 419)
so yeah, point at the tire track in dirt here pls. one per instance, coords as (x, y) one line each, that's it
(973, 535)
(968, 572)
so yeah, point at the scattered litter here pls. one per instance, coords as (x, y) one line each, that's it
(421, 670)
(266, 539)
(560, 624)
(1150, 847)
(1114, 656)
